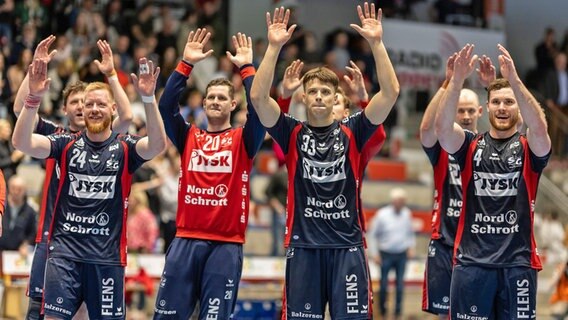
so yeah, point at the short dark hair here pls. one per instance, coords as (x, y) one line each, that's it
(221, 82)
(322, 74)
(72, 88)
(497, 84)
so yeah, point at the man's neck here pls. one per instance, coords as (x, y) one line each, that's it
(218, 127)
(99, 137)
(498, 134)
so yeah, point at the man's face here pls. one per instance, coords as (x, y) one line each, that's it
(98, 110)
(17, 191)
(73, 110)
(319, 97)
(218, 103)
(340, 111)
(503, 109)
(468, 111)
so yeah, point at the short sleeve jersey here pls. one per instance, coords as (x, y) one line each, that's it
(323, 209)
(89, 223)
(499, 179)
(50, 184)
(447, 194)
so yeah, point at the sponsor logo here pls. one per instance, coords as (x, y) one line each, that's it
(442, 306)
(245, 177)
(496, 184)
(51, 307)
(431, 251)
(161, 304)
(523, 300)
(59, 300)
(514, 162)
(289, 253)
(91, 187)
(320, 210)
(196, 195)
(495, 224)
(495, 157)
(351, 294)
(514, 145)
(213, 305)
(101, 219)
(219, 162)
(321, 147)
(470, 317)
(454, 208)
(322, 172)
(305, 315)
(107, 297)
(113, 147)
(112, 164)
(454, 174)
(338, 147)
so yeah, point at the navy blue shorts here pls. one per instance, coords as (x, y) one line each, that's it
(493, 293)
(37, 272)
(437, 278)
(68, 283)
(315, 277)
(199, 270)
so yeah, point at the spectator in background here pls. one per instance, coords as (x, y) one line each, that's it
(552, 239)
(19, 219)
(16, 72)
(392, 233)
(142, 228)
(168, 191)
(193, 111)
(545, 51)
(555, 91)
(6, 20)
(2, 198)
(10, 158)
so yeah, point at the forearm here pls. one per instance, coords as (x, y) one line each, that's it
(266, 108)
(530, 109)
(155, 129)
(24, 139)
(427, 127)
(450, 135)
(381, 104)
(22, 93)
(122, 122)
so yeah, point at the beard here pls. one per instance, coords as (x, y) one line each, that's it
(504, 126)
(98, 127)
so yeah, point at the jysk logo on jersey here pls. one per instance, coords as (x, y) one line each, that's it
(91, 187)
(496, 184)
(321, 172)
(218, 162)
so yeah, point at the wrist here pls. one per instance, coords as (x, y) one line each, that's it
(111, 74)
(148, 99)
(32, 101)
(184, 67)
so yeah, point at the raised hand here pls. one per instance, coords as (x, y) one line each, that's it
(450, 66)
(196, 41)
(39, 83)
(486, 71)
(106, 65)
(371, 26)
(42, 49)
(243, 50)
(145, 83)
(356, 82)
(292, 80)
(506, 64)
(278, 31)
(464, 63)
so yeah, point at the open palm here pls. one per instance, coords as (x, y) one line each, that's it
(196, 41)
(371, 26)
(278, 31)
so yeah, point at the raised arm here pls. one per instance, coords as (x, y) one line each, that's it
(23, 138)
(253, 131)
(450, 135)
(356, 82)
(106, 67)
(372, 30)
(533, 116)
(145, 84)
(278, 34)
(41, 52)
(428, 136)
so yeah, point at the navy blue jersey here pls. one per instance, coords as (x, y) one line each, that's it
(50, 183)
(447, 194)
(89, 223)
(500, 179)
(323, 210)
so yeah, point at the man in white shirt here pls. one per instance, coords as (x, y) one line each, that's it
(391, 231)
